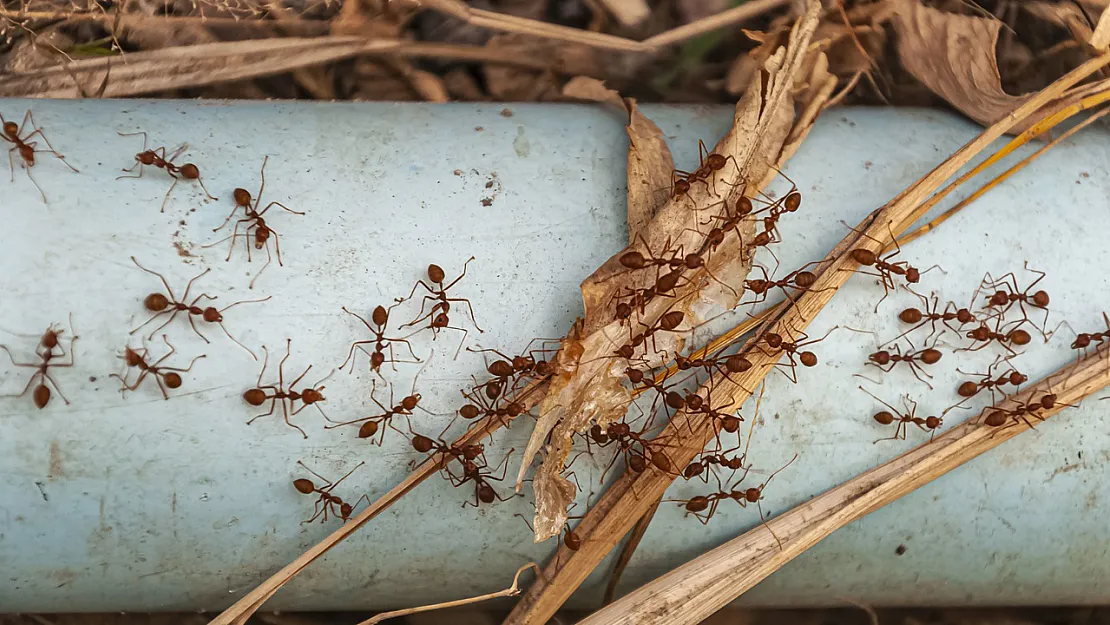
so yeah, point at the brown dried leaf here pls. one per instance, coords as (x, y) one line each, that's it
(954, 56)
(1066, 15)
(649, 159)
(595, 393)
(1100, 40)
(628, 12)
(510, 83)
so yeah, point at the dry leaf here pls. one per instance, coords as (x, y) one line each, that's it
(954, 56)
(649, 159)
(595, 392)
(1066, 15)
(628, 12)
(512, 84)
(1100, 40)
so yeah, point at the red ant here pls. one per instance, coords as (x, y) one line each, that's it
(329, 501)
(166, 377)
(636, 460)
(703, 466)
(884, 269)
(371, 425)
(49, 341)
(790, 348)
(703, 507)
(187, 171)
(726, 365)
(1008, 293)
(928, 356)
(930, 313)
(984, 335)
(928, 424)
(310, 396)
(677, 263)
(477, 473)
(27, 150)
(482, 406)
(507, 371)
(998, 416)
(1083, 340)
(708, 164)
(638, 298)
(253, 219)
(471, 452)
(442, 306)
(799, 279)
(159, 304)
(669, 322)
(988, 381)
(380, 317)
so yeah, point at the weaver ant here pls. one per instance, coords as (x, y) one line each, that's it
(988, 381)
(508, 370)
(442, 304)
(1008, 293)
(484, 406)
(703, 466)
(930, 313)
(310, 396)
(329, 501)
(636, 460)
(27, 150)
(998, 416)
(1083, 340)
(668, 322)
(166, 377)
(884, 269)
(371, 425)
(157, 158)
(928, 356)
(928, 424)
(380, 317)
(984, 335)
(470, 452)
(677, 263)
(708, 164)
(253, 219)
(799, 279)
(50, 340)
(776, 342)
(159, 304)
(726, 365)
(477, 473)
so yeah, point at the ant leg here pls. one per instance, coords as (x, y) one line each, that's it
(265, 361)
(269, 259)
(455, 281)
(424, 302)
(277, 247)
(471, 308)
(167, 198)
(36, 183)
(11, 162)
(277, 204)
(331, 486)
(273, 406)
(285, 413)
(61, 158)
(351, 354)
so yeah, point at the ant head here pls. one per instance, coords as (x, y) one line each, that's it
(380, 316)
(884, 417)
(572, 540)
(995, 419)
(440, 321)
(681, 186)
(964, 315)
(261, 235)
(881, 357)
(637, 464)
(304, 486)
(242, 197)
(674, 400)
(694, 401)
(809, 359)
(146, 158)
(131, 357)
(756, 286)
(626, 351)
(600, 436)
(1020, 337)
(500, 369)
(172, 380)
(41, 396)
(470, 452)
(369, 429)
(1000, 298)
(422, 443)
(156, 302)
(255, 397)
(982, 333)
(520, 363)
(409, 403)
(1081, 341)
(913, 276)
(189, 171)
(312, 395)
(50, 338)
(737, 364)
(753, 494)
(435, 273)
(469, 411)
(543, 368)
(514, 409)
(864, 257)
(910, 315)
(345, 510)
(930, 356)
(1017, 378)
(11, 129)
(730, 424)
(618, 429)
(376, 360)
(671, 320)
(792, 202)
(211, 315)
(486, 494)
(716, 237)
(624, 311)
(632, 260)
(1040, 298)
(716, 162)
(692, 470)
(933, 422)
(735, 463)
(968, 389)
(1048, 401)
(772, 339)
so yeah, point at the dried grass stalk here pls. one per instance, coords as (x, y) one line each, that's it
(630, 497)
(697, 589)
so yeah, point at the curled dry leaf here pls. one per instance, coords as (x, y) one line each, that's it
(1100, 40)
(594, 393)
(649, 159)
(954, 56)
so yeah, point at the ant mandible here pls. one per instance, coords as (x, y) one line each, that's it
(157, 158)
(27, 149)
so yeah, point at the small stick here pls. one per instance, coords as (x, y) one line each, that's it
(511, 591)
